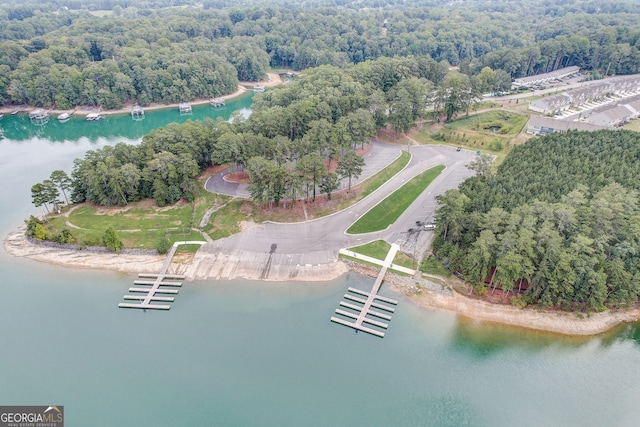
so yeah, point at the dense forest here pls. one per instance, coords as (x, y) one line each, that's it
(110, 52)
(561, 216)
(284, 146)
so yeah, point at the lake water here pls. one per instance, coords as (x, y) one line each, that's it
(265, 354)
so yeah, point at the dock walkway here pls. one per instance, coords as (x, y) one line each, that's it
(160, 284)
(360, 313)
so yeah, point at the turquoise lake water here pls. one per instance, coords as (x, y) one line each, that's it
(244, 353)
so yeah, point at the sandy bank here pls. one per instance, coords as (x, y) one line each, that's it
(531, 318)
(544, 320)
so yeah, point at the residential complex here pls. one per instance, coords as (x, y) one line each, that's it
(606, 104)
(540, 79)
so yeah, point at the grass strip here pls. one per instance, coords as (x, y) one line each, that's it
(377, 180)
(371, 264)
(389, 210)
(379, 249)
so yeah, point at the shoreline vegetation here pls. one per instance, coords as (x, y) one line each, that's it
(273, 79)
(553, 321)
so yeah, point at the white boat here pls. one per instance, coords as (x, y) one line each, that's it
(64, 117)
(92, 117)
(1, 115)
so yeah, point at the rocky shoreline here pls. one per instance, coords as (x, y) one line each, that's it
(432, 296)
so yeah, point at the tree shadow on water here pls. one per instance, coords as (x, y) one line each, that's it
(486, 339)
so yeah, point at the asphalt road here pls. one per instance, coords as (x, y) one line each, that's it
(320, 239)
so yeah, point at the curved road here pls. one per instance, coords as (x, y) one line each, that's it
(319, 240)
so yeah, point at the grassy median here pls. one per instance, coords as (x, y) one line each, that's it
(379, 249)
(389, 210)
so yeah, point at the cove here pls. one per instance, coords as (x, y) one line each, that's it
(241, 353)
(19, 128)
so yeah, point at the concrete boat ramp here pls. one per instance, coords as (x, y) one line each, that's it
(359, 313)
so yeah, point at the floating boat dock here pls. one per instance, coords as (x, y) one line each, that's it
(137, 113)
(39, 117)
(359, 313)
(185, 108)
(160, 285)
(148, 295)
(258, 88)
(217, 102)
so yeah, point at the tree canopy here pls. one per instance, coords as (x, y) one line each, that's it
(109, 52)
(562, 216)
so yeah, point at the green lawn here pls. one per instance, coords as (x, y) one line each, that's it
(226, 221)
(633, 125)
(139, 225)
(490, 123)
(389, 210)
(378, 249)
(494, 131)
(173, 218)
(431, 265)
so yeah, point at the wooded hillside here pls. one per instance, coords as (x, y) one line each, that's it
(70, 52)
(561, 215)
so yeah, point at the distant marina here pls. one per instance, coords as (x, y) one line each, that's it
(72, 125)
